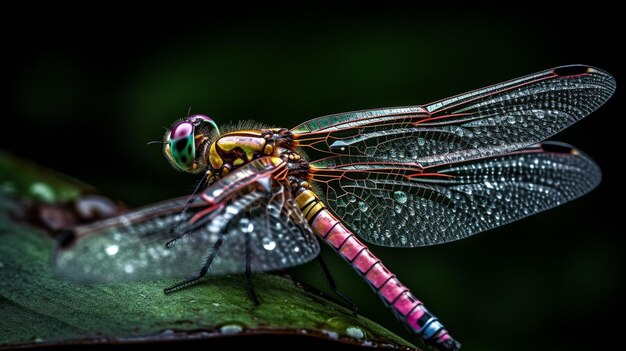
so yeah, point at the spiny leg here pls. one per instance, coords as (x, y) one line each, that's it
(249, 285)
(204, 269)
(333, 286)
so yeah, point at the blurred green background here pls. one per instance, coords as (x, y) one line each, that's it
(102, 81)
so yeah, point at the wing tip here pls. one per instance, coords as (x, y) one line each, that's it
(573, 70)
(594, 171)
(576, 70)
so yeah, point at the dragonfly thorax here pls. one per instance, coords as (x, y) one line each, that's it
(238, 148)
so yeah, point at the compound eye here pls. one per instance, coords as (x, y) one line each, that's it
(182, 130)
(182, 145)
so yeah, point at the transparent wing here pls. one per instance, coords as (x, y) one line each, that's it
(404, 205)
(489, 121)
(251, 201)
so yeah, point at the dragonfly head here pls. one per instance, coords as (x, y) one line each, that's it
(186, 142)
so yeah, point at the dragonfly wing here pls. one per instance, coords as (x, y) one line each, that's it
(408, 206)
(489, 121)
(130, 246)
(278, 235)
(251, 202)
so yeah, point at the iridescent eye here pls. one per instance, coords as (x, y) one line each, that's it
(182, 145)
(186, 138)
(182, 130)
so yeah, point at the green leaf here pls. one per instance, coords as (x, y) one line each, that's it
(26, 180)
(38, 308)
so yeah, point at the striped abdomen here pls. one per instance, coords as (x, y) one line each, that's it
(395, 295)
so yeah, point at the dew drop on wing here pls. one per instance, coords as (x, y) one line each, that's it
(245, 225)
(112, 250)
(230, 209)
(362, 206)
(400, 196)
(273, 210)
(268, 244)
(129, 268)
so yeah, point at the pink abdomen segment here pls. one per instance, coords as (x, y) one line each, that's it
(396, 296)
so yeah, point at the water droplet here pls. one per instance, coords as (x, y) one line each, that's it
(400, 196)
(112, 250)
(273, 210)
(296, 249)
(499, 196)
(129, 268)
(278, 225)
(231, 329)
(489, 185)
(245, 225)
(332, 335)
(362, 206)
(355, 332)
(421, 141)
(269, 244)
(510, 119)
(352, 198)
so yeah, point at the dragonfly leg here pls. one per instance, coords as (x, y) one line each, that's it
(203, 271)
(333, 286)
(183, 214)
(249, 285)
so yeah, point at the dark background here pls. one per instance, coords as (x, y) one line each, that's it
(102, 81)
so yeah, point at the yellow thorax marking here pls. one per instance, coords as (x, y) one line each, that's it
(214, 158)
(248, 132)
(249, 145)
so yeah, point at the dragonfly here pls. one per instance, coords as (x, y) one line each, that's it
(397, 177)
